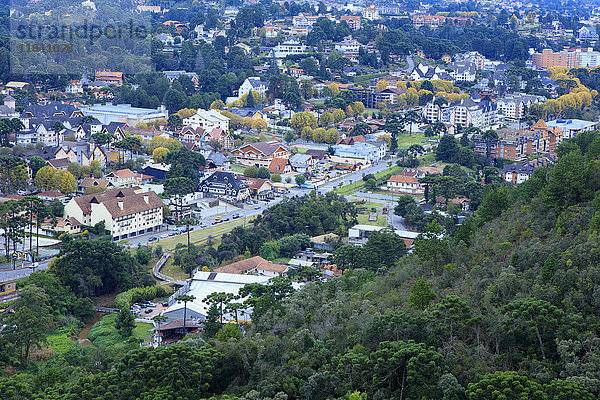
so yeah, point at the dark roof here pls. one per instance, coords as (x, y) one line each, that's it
(317, 154)
(48, 110)
(223, 180)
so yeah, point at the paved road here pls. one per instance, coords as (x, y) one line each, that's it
(7, 274)
(410, 64)
(355, 176)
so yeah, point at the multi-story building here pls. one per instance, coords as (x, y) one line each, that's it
(207, 120)
(304, 20)
(110, 77)
(225, 185)
(253, 84)
(370, 97)
(124, 213)
(588, 57)
(572, 127)
(353, 21)
(469, 112)
(547, 58)
(405, 184)
(260, 154)
(371, 13)
(514, 106)
(437, 20)
(585, 33)
(348, 46)
(287, 48)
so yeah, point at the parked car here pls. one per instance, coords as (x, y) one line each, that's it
(225, 219)
(218, 217)
(257, 208)
(148, 310)
(215, 222)
(165, 304)
(164, 236)
(236, 216)
(152, 239)
(202, 225)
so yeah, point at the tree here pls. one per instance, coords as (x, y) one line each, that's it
(175, 100)
(276, 178)
(250, 172)
(159, 154)
(531, 315)
(175, 121)
(159, 320)
(301, 120)
(447, 149)
(566, 181)
(103, 138)
(30, 321)
(125, 323)
(13, 173)
(338, 115)
(58, 127)
(300, 180)
(36, 163)
(421, 294)
(410, 368)
(326, 120)
(383, 249)
(506, 385)
(94, 267)
(371, 184)
(259, 125)
(185, 298)
(263, 173)
(65, 182)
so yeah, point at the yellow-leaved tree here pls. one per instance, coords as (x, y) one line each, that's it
(160, 154)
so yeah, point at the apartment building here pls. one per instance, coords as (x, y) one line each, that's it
(110, 77)
(207, 120)
(514, 106)
(289, 47)
(547, 58)
(405, 184)
(124, 213)
(353, 21)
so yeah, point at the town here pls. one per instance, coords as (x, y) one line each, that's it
(299, 200)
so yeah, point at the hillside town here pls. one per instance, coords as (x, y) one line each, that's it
(252, 171)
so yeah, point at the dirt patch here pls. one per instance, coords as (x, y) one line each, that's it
(82, 338)
(106, 300)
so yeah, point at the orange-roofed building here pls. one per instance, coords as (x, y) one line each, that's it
(405, 184)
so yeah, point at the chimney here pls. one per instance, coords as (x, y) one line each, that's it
(146, 199)
(120, 204)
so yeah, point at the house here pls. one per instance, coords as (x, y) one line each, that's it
(302, 163)
(260, 189)
(371, 13)
(442, 202)
(288, 48)
(208, 120)
(260, 154)
(74, 87)
(349, 141)
(95, 182)
(226, 185)
(359, 234)
(217, 161)
(517, 174)
(68, 225)
(174, 75)
(585, 33)
(124, 212)
(323, 242)
(462, 71)
(59, 163)
(50, 195)
(253, 84)
(405, 184)
(123, 178)
(254, 266)
(280, 166)
(110, 77)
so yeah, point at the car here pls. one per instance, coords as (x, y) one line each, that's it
(173, 233)
(257, 208)
(202, 225)
(236, 216)
(165, 304)
(148, 310)
(164, 236)
(152, 239)
(151, 304)
(215, 222)
(218, 217)
(225, 219)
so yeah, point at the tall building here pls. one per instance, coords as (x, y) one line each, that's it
(547, 58)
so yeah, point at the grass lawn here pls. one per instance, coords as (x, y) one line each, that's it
(195, 235)
(363, 219)
(237, 168)
(405, 140)
(141, 331)
(358, 185)
(174, 271)
(370, 204)
(59, 342)
(104, 333)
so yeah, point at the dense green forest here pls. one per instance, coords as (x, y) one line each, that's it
(506, 307)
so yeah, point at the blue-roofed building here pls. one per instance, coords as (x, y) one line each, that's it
(125, 113)
(360, 150)
(572, 127)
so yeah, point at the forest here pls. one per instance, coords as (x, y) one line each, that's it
(504, 307)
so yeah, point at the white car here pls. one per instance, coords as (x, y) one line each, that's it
(164, 236)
